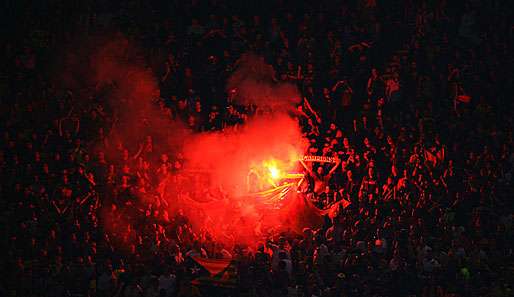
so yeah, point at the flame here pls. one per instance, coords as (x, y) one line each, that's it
(274, 172)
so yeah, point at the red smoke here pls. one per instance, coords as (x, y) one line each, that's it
(226, 158)
(230, 155)
(269, 144)
(213, 188)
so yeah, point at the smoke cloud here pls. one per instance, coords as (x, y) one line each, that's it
(212, 189)
(228, 156)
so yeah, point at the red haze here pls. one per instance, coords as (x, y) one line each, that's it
(213, 187)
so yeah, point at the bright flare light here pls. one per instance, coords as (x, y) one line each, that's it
(274, 172)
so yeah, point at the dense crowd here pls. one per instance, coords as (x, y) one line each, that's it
(412, 97)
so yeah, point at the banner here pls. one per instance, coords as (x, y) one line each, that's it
(320, 159)
(218, 272)
(213, 266)
(333, 210)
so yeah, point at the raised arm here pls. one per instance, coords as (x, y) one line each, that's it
(334, 167)
(168, 70)
(306, 167)
(77, 125)
(318, 119)
(302, 113)
(56, 207)
(443, 182)
(85, 199)
(334, 88)
(139, 151)
(60, 127)
(113, 125)
(70, 112)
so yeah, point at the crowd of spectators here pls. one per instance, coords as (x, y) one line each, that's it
(411, 96)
